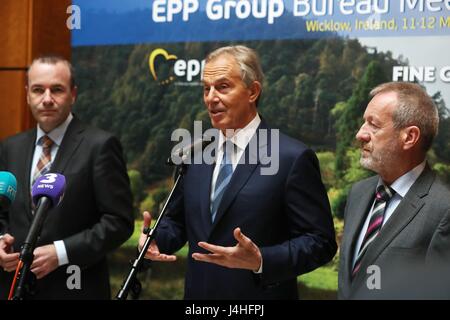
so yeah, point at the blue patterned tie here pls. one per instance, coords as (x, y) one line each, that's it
(223, 178)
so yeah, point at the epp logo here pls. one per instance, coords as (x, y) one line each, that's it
(151, 62)
(181, 68)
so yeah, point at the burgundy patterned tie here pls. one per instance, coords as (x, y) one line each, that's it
(382, 197)
(45, 161)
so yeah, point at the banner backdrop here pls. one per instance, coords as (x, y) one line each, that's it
(313, 51)
(116, 22)
(139, 66)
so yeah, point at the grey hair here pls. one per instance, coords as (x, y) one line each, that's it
(414, 107)
(247, 60)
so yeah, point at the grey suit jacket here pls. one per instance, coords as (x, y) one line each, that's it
(411, 252)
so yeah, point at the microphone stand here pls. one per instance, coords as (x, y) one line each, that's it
(26, 253)
(131, 282)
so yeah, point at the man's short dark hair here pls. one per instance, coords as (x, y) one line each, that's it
(54, 59)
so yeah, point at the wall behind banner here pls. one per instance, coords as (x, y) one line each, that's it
(140, 77)
(26, 33)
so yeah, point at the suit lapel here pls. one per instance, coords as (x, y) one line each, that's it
(363, 198)
(70, 143)
(68, 146)
(401, 217)
(204, 192)
(238, 180)
(26, 171)
(248, 163)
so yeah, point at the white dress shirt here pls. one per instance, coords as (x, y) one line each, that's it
(240, 138)
(57, 136)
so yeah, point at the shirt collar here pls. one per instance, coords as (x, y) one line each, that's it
(56, 134)
(402, 185)
(242, 136)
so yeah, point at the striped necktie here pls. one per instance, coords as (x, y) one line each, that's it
(223, 178)
(45, 160)
(382, 197)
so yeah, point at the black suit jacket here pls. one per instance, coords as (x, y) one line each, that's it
(286, 214)
(94, 217)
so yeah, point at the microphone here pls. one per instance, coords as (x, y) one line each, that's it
(180, 155)
(47, 192)
(8, 189)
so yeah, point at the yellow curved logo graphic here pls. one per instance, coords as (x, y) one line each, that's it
(151, 62)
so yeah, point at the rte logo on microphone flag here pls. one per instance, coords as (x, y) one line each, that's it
(8, 189)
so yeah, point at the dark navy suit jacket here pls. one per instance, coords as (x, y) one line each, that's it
(287, 215)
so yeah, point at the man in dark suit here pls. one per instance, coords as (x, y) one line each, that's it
(397, 230)
(251, 232)
(95, 215)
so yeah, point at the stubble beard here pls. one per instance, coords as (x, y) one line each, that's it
(380, 160)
